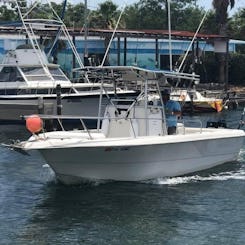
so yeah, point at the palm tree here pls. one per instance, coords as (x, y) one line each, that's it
(221, 7)
(106, 18)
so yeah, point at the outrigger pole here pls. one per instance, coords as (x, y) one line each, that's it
(108, 47)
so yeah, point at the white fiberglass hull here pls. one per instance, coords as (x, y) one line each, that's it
(142, 159)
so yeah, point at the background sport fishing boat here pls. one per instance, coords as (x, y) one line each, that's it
(130, 143)
(28, 86)
(28, 81)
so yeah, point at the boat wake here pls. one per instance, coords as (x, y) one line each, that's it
(237, 174)
(241, 156)
(223, 176)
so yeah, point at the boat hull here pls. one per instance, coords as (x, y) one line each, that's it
(204, 107)
(11, 109)
(142, 162)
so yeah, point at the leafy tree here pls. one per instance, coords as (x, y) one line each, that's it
(148, 14)
(74, 16)
(131, 17)
(208, 26)
(105, 16)
(8, 13)
(236, 65)
(188, 19)
(185, 15)
(153, 14)
(237, 24)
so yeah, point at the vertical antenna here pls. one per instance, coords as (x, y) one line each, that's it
(170, 38)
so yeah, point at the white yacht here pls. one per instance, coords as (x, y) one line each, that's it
(30, 84)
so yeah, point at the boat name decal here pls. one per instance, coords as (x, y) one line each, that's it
(109, 149)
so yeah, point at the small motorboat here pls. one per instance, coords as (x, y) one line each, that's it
(130, 142)
(192, 100)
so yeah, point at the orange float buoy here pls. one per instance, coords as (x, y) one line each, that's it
(218, 106)
(34, 124)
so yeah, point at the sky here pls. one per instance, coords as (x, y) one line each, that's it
(207, 4)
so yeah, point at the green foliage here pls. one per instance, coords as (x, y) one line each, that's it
(237, 25)
(153, 14)
(147, 14)
(131, 17)
(106, 16)
(74, 15)
(208, 26)
(188, 19)
(185, 15)
(211, 72)
(8, 13)
(236, 68)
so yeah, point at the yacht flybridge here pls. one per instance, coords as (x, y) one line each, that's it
(130, 142)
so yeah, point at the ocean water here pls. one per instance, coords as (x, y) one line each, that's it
(202, 208)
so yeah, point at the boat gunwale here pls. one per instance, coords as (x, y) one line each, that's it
(129, 141)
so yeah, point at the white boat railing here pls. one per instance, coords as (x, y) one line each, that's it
(192, 122)
(62, 120)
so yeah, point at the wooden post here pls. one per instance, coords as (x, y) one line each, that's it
(118, 51)
(58, 99)
(157, 55)
(125, 52)
(227, 66)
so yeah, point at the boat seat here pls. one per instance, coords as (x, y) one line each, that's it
(118, 126)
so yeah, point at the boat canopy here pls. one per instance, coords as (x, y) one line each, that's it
(133, 73)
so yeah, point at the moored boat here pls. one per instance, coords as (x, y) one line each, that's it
(30, 84)
(193, 101)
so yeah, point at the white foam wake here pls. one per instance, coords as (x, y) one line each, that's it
(223, 176)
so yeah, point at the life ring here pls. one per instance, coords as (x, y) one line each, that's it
(182, 97)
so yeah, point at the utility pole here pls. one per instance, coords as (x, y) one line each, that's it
(85, 33)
